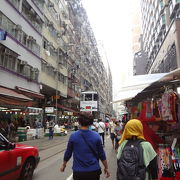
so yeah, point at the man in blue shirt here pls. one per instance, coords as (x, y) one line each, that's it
(87, 149)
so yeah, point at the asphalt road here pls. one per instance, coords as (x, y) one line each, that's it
(49, 168)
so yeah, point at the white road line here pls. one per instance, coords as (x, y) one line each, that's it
(70, 177)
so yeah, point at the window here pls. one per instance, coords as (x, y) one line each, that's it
(95, 97)
(88, 97)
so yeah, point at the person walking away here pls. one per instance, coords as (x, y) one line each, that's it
(51, 129)
(136, 157)
(86, 147)
(107, 127)
(117, 133)
(76, 125)
(112, 126)
(101, 129)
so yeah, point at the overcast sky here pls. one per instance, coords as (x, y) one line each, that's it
(112, 24)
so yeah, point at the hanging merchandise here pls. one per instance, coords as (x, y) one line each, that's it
(164, 162)
(147, 111)
(176, 157)
(178, 114)
(169, 106)
(156, 110)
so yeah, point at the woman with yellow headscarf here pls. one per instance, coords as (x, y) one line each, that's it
(133, 133)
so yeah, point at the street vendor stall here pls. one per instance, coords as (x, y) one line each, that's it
(158, 108)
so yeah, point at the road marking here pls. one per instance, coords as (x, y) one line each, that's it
(70, 177)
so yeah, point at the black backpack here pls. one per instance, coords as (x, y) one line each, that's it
(131, 163)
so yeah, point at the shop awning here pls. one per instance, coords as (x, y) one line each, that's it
(30, 93)
(137, 84)
(11, 97)
(13, 94)
(158, 86)
(66, 108)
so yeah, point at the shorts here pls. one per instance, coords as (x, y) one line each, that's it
(93, 175)
(112, 136)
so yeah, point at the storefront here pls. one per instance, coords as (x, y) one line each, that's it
(16, 110)
(158, 108)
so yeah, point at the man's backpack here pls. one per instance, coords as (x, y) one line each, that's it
(131, 163)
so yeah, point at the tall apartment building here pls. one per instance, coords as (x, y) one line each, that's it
(20, 60)
(48, 55)
(161, 26)
(140, 59)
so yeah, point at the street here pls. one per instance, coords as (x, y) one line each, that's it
(51, 153)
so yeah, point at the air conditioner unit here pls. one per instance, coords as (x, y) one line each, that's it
(33, 69)
(55, 70)
(63, 24)
(34, 40)
(23, 62)
(57, 16)
(64, 14)
(49, 44)
(50, 4)
(17, 27)
(55, 50)
(32, 11)
(59, 35)
(50, 23)
(7, 51)
(30, 38)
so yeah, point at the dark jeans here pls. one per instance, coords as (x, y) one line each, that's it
(93, 175)
(102, 134)
(51, 133)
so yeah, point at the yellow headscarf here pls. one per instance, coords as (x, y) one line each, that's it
(133, 127)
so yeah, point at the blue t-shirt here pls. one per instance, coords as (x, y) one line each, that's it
(83, 158)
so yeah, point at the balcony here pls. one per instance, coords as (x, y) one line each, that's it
(162, 22)
(173, 6)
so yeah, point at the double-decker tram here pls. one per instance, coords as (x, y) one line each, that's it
(89, 101)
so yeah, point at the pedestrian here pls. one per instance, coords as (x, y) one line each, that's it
(117, 133)
(76, 125)
(136, 157)
(86, 147)
(51, 129)
(10, 130)
(38, 125)
(101, 129)
(107, 126)
(112, 126)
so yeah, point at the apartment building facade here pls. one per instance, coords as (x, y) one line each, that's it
(48, 54)
(160, 29)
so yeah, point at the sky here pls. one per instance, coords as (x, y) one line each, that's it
(111, 22)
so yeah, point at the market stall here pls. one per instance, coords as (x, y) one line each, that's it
(158, 108)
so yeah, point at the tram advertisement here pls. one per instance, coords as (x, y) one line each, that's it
(88, 106)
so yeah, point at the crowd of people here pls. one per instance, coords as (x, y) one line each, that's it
(136, 158)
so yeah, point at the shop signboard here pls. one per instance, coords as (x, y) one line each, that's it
(49, 109)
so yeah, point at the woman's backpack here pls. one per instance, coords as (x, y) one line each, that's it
(131, 163)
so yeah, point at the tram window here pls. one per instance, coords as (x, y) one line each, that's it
(88, 97)
(95, 97)
(82, 97)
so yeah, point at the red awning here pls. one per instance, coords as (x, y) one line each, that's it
(66, 108)
(15, 102)
(13, 94)
(30, 93)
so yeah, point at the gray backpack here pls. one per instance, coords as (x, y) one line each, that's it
(131, 163)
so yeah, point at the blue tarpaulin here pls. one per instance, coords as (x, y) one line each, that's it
(3, 35)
